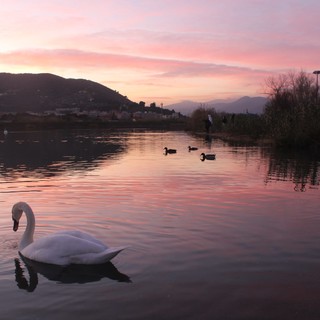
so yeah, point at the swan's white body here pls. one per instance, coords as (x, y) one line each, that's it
(61, 248)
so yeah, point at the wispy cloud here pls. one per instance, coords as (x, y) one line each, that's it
(156, 66)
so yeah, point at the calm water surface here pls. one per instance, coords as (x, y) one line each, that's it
(233, 238)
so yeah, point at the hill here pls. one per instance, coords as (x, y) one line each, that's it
(184, 107)
(41, 92)
(245, 104)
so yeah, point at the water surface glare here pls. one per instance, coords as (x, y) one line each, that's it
(233, 238)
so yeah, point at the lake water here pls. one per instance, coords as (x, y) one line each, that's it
(233, 238)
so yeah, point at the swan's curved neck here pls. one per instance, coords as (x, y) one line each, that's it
(27, 237)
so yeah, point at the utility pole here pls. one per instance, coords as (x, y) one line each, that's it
(317, 72)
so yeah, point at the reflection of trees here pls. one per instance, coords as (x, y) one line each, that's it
(299, 167)
(67, 274)
(245, 150)
(49, 153)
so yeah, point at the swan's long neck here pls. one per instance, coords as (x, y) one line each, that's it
(27, 237)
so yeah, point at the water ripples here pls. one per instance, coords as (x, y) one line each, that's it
(191, 227)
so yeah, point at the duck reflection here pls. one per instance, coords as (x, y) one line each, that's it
(68, 274)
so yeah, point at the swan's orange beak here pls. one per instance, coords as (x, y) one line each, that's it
(15, 225)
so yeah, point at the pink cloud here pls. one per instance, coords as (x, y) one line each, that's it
(242, 50)
(156, 66)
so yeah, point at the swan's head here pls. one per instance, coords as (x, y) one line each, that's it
(17, 211)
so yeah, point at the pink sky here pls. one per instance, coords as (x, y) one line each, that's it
(162, 51)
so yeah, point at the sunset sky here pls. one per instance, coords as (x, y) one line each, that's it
(162, 51)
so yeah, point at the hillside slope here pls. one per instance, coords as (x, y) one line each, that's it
(40, 92)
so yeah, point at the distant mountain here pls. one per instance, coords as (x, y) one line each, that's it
(185, 107)
(242, 105)
(40, 92)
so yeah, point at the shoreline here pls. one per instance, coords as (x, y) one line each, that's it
(229, 137)
(168, 125)
(108, 125)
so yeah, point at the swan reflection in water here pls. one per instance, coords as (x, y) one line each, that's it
(68, 274)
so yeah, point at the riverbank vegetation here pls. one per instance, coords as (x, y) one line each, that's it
(291, 116)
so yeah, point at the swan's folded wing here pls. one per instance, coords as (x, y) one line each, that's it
(81, 235)
(96, 258)
(58, 248)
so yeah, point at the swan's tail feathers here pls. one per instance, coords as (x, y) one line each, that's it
(110, 253)
(97, 258)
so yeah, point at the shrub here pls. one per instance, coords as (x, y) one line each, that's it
(292, 114)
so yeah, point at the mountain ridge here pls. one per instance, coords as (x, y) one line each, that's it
(244, 104)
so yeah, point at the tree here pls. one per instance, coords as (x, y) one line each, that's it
(199, 116)
(292, 113)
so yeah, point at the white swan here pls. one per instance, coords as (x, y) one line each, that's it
(61, 248)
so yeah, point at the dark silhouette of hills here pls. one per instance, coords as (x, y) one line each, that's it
(245, 104)
(41, 92)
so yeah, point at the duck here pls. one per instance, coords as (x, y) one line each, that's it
(61, 248)
(166, 150)
(208, 156)
(192, 148)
